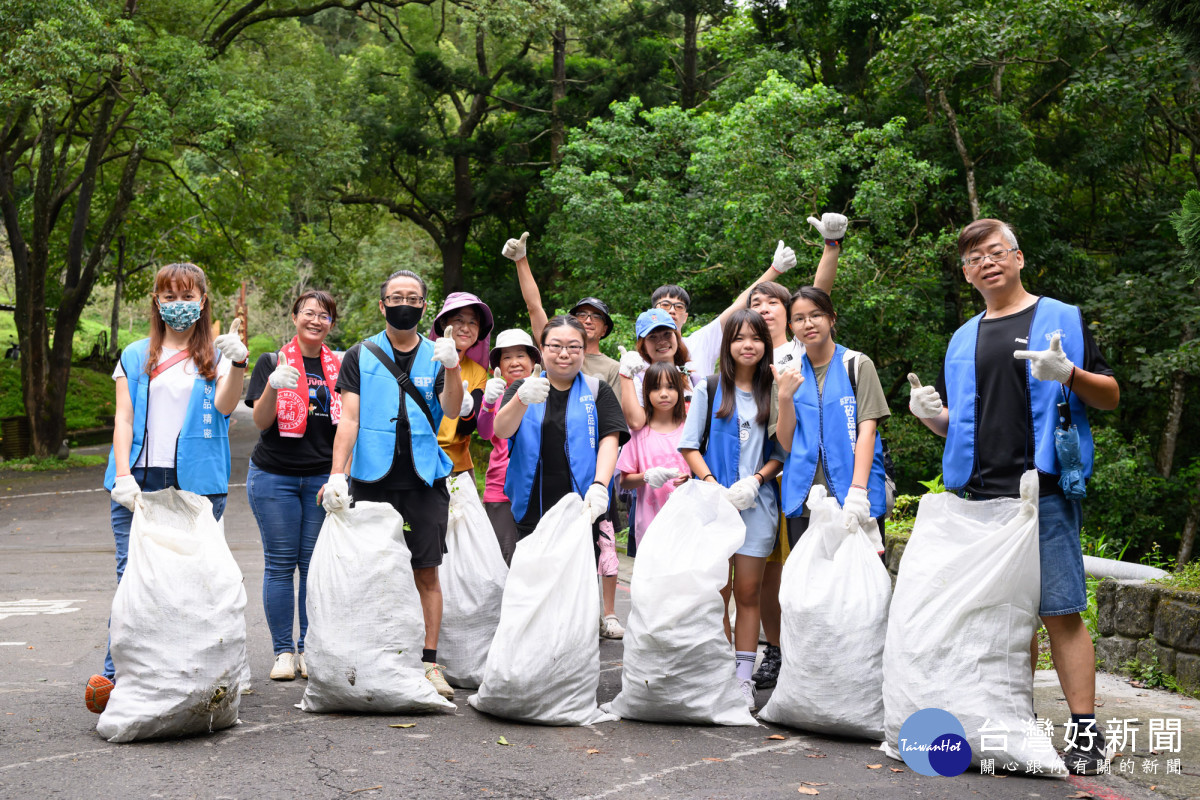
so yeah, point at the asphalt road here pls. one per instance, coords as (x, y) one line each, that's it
(56, 549)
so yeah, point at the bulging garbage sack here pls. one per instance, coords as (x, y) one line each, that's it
(472, 576)
(365, 626)
(834, 594)
(178, 625)
(677, 664)
(963, 613)
(544, 663)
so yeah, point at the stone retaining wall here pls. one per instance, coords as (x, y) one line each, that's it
(1138, 621)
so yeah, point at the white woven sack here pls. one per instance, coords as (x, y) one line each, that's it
(472, 576)
(677, 664)
(178, 625)
(963, 614)
(544, 664)
(834, 594)
(365, 626)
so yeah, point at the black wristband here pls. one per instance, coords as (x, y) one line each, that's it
(599, 483)
(240, 364)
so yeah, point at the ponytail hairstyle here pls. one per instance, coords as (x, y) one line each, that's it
(183, 276)
(655, 376)
(763, 379)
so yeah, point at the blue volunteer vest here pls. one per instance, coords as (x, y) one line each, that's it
(834, 410)
(1049, 317)
(525, 446)
(379, 408)
(202, 450)
(725, 443)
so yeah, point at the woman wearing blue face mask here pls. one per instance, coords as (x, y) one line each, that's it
(174, 394)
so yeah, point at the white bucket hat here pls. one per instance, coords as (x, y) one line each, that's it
(513, 337)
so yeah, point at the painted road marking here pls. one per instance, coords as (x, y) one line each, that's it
(29, 608)
(73, 491)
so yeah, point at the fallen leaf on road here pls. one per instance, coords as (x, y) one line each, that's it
(404, 725)
(777, 736)
(874, 766)
(806, 790)
(895, 769)
(592, 751)
(712, 759)
(814, 755)
(502, 740)
(811, 783)
(1080, 796)
(1187, 706)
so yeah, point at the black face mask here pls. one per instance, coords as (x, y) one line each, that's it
(402, 317)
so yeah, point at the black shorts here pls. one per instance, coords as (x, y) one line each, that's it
(425, 510)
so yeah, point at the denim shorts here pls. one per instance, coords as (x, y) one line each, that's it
(1064, 587)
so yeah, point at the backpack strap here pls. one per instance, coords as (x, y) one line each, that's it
(850, 361)
(406, 385)
(711, 384)
(593, 384)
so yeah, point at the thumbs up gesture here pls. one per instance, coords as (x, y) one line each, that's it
(785, 258)
(631, 362)
(1048, 365)
(468, 403)
(789, 380)
(514, 249)
(923, 401)
(534, 389)
(493, 390)
(230, 344)
(831, 226)
(444, 350)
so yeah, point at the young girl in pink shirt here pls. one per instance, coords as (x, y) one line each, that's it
(650, 462)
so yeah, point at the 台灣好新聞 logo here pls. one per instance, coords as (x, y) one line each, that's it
(934, 742)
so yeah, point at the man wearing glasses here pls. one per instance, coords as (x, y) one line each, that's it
(1006, 373)
(409, 383)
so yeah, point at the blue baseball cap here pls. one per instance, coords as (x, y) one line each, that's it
(650, 320)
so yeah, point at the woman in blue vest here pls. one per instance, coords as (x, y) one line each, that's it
(564, 429)
(741, 455)
(155, 444)
(830, 405)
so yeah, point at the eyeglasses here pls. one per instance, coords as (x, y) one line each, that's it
(584, 316)
(309, 315)
(555, 347)
(996, 256)
(667, 305)
(403, 300)
(814, 318)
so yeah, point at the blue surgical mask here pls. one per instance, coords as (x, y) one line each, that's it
(180, 314)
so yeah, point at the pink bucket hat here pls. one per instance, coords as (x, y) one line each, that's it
(479, 351)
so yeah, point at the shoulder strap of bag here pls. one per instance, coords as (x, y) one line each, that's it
(401, 378)
(163, 366)
(593, 384)
(850, 361)
(711, 385)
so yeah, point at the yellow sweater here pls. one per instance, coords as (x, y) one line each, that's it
(458, 446)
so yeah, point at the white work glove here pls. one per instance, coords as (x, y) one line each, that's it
(336, 496)
(596, 501)
(657, 477)
(493, 390)
(785, 258)
(534, 390)
(468, 403)
(830, 226)
(230, 344)
(923, 401)
(857, 508)
(444, 350)
(1048, 365)
(126, 492)
(285, 376)
(631, 362)
(743, 493)
(514, 249)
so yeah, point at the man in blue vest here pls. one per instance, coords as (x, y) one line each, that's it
(390, 441)
(1006, 373)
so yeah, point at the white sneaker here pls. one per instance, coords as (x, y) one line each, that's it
(285, 667)
(610, 627)
(301, 667)
(749, 693)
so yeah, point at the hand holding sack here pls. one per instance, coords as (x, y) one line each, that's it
(336, 493)
(544, 663)
(126, 492)
(596, 501)
(743, 493)
(472, 574)
(178, 625)
(856, 511)
(677, 665)
(834, 588)
(365, 628)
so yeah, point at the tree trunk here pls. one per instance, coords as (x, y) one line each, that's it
(960, 145)
(118, 284)
(689, 90)
(454, 243)
(1170, 434)
(1188, 537)
(558, 92)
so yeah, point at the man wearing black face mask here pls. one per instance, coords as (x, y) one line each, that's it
(390, 441)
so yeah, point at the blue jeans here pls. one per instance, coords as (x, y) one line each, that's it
(289, 520)
(1064, 585)
(150, 479)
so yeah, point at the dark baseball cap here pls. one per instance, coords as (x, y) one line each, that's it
(600, 306)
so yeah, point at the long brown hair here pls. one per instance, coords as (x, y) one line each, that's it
(762, 371)
(200, 343)
(681, 351)
(652, 381)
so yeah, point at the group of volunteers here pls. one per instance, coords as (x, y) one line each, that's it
(762, 400)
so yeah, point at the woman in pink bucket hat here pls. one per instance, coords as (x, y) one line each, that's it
(468, 320)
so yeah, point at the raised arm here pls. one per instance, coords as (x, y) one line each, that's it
(514, 250)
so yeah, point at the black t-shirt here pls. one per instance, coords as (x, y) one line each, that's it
(553, 479)
(404, 473)
(1004, 448)
(312, 453)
